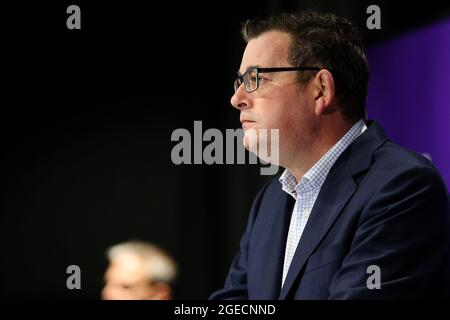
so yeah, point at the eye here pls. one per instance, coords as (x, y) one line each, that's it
(261, 78)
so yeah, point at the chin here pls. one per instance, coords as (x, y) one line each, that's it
(250, 140)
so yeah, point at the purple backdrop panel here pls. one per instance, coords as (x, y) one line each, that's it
(409, 91)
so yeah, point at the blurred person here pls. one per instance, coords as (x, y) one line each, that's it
(353, 215)
(138, 271)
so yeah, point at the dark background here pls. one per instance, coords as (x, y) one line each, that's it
(86, 120)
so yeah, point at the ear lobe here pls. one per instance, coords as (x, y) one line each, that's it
(319, 107)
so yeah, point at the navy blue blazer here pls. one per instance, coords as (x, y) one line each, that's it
(380, 205)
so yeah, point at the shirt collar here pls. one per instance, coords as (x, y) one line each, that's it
(316, 175)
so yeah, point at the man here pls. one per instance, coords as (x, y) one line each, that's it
(353, 216)
(138, 271)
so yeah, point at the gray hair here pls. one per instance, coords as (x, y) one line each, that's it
(162, 267)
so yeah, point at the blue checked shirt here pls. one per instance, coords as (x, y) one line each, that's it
(306, 191)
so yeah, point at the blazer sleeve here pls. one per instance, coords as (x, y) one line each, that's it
(403, 230)
(235, 287)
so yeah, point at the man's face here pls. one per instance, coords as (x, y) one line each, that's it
(127, 278)
(280, 102)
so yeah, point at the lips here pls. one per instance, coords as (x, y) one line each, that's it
(246, 122)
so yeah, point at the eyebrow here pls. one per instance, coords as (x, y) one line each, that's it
(249, 67)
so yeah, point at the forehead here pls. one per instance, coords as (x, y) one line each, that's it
(127, 267)
(269, 49)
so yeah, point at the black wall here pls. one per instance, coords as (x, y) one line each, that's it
(86, 120)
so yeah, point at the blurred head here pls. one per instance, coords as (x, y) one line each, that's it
(138, 271)
(304, 105)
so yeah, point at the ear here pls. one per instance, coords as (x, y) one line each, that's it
(324, 93)
(161, 291)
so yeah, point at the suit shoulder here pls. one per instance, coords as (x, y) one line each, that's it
(392, 161)
(397, 158)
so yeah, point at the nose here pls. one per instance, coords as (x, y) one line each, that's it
(241, 99)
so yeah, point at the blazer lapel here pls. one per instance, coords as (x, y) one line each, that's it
(335, 193)
(267, 278)
(325, 211)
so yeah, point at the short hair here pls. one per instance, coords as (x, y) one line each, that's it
(327, 41)
(162, 267)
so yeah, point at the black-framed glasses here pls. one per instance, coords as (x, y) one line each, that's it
(250, 78)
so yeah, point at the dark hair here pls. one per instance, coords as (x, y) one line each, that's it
(327, 41)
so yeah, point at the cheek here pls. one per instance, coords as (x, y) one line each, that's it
(286, 119)
(285, 110)
(291, 124)
(272, 115)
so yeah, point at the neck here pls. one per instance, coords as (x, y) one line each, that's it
(322, 141)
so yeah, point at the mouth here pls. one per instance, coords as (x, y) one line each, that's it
(245, 123)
